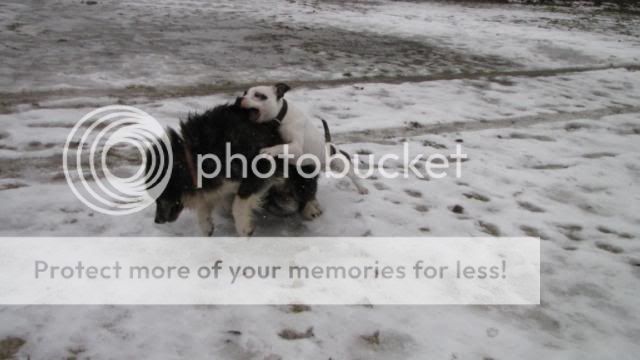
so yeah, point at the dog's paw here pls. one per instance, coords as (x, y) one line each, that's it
(207, 229)
(245, 230)
(244, 225)
(242, 215)
(311, 210)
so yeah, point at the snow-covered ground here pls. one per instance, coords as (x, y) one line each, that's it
(556, 157)
(573, 183)
(54, 44)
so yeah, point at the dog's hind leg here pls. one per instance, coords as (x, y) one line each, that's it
(362, 190)
(205, 218)
(305, 190)
(338, 165)
(311, 209)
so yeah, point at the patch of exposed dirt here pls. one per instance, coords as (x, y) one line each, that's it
(9, 347)
(489, 228)
(289, 334)
(476, 196)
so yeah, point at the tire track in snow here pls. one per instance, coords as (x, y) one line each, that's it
(461, 126)
(134, 94)
(49, 167)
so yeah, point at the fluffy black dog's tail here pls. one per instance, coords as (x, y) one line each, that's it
(327, 134)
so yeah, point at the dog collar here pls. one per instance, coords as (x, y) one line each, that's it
(283, 111)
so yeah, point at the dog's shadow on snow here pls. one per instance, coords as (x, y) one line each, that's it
(267, 225)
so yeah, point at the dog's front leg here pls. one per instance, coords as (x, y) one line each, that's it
(293, 148)
(242, 210)
(273, 151)
(248, 199)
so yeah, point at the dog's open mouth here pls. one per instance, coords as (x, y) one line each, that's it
(254, 114)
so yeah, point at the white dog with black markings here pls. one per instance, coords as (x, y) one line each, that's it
(267, 103)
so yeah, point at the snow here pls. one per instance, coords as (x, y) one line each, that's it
(574, 183)
(379, 106)
(535, 39)
(61, 44)
(551, 156)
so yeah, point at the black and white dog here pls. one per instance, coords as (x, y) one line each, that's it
(267, 103)
(208, 133)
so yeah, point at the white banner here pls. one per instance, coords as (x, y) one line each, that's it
(309, 270)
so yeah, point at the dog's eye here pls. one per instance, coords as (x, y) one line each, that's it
(260, 96)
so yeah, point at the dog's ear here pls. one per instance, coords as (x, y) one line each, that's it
(173, 136)
(281, 89)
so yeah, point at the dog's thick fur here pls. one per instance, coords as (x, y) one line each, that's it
(208, 133)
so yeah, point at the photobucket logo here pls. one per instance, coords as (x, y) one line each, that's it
(335, 164)
(86, 162)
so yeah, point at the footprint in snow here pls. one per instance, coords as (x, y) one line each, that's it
(599, 155)
(606, 230)
(523, 136)
(550, 167)
(571, 231)
(11, 186)
(37, 145)
(489, 228)
(530, 207)
(289, 334)
(476, 196)
(380, 186)
(610, 248)
(533, 232)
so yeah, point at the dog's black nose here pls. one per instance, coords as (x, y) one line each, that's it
(238, 100)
